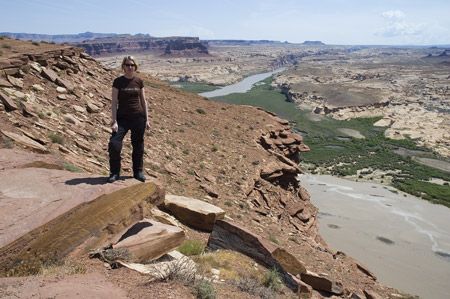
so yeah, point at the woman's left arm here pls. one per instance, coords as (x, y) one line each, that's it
(144, 106)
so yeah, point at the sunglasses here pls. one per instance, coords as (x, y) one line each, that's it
(129, 64)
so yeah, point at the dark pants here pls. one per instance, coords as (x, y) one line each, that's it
(137, 127)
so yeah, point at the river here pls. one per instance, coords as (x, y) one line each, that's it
(241, 86)
(404, 240)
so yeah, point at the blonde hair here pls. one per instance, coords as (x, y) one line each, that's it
(129, 57)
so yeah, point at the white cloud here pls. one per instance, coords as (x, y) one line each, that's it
(397, 26)
(393, 14)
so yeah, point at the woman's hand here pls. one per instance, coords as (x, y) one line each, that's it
(147, 125)
(115, 127)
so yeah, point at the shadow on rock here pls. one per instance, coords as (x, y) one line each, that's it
(92, 181)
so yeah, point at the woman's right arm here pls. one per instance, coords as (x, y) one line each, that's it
(114, 101)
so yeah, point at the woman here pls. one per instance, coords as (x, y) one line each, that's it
(129, 112)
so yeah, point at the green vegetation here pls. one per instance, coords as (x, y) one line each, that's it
(191, 247)
(55, 138)
(25, 69)
(71, 167)
(200, 111)
(194, 87)
(272, 280)
(6, 46)
(41, 115)
(336, 153)
(274, 240)
(203, 289)
(8, 142)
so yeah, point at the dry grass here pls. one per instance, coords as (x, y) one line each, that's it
(66, 267)
(232, 265)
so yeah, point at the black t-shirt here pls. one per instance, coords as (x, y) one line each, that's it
(128, 98)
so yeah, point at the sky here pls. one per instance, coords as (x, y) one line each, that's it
(341, 22)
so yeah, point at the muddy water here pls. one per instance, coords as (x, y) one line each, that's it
(405, 241)
(240, 87)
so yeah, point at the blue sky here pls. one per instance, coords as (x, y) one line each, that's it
(388, 22)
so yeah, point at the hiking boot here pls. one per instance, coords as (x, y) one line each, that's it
(113, 177)
(139, 176)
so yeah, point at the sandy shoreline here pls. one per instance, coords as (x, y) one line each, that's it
(405, 241)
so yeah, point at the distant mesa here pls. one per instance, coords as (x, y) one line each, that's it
(313, 43)
(58, 39)
(168, 46)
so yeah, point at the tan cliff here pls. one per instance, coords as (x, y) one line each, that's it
(55, 101)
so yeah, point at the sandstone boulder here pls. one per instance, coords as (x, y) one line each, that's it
(26, 141)
(148, 240)
(15, 158)
(15, 81)
(321, 283)
(227, 235)
(209, 190)
(64, 83)
(371, 294)
(95, 223)
(165, 218)
(49, 74)
(9, 104)
(194, 212)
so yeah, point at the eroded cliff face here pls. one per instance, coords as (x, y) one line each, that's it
(167, 46)
(56, 100)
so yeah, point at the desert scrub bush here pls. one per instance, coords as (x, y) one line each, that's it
(8, 142)
(203, 289)
(274, 240)
(191, 247)
(41, 115)
(6, 46)
(25, 69)
(55, 138)
(215, 148)
(35, 44)
(228, 203)
(69, 120)
(295, 240)
(62, 268)
(200, 111)
(181, 269)
(272, 280)
(186, 152)
(253, 286)
(71, 167)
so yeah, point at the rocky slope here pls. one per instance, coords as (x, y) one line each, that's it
(56, 100)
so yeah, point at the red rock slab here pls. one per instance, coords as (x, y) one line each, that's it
(9, 104)
(93, 285)
(148, 240)
(30, 197)
(15, 158)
